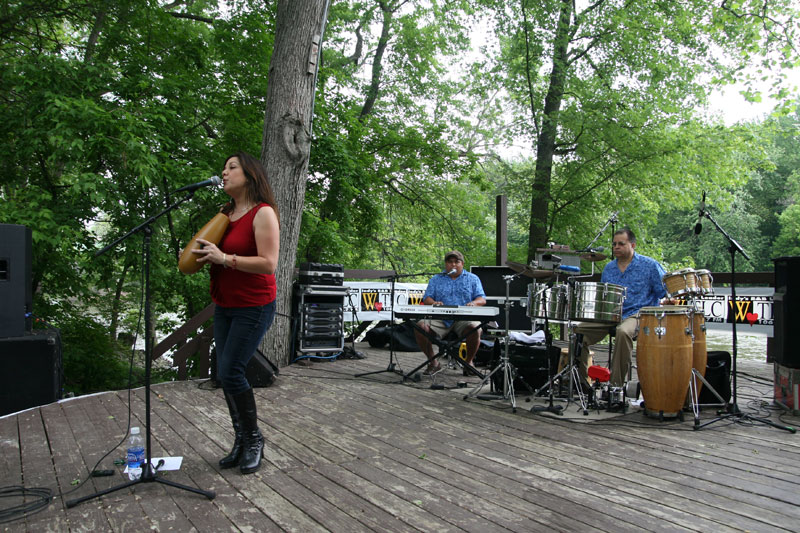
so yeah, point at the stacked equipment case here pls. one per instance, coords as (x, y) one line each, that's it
(319, 298)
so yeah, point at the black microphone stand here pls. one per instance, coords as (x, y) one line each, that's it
(149, 473)
(611, 220)
(732, 408)
(393, 367)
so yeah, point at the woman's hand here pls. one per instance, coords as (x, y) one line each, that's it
(209, 253)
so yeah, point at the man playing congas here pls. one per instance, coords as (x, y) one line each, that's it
(641, 275)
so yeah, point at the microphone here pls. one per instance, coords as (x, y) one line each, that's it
(699, 227)
(568, 268)
(214, 180)
(452, 271)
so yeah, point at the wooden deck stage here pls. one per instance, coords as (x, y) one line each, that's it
(374, 454)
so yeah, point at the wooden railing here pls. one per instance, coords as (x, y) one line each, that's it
(200, 343)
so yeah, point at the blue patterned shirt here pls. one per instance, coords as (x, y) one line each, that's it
(459, 291)
(643, 280)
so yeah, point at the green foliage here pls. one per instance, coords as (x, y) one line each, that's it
(109, 106)
(92, 362)
(607, 91)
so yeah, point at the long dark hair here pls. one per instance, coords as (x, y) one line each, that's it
(258, 188)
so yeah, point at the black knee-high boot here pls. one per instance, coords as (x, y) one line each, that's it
(232, 459)
(252, 440)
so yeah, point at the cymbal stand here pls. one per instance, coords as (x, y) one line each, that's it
(505, 365)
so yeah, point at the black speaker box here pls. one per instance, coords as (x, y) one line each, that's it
(261, 371)
(786, 310)
(529, 362)
(494, 285)
(718, 375)
(16, 288)
(31, 372)
(517, 314)
(485, 354)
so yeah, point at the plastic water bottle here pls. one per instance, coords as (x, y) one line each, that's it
(135, 456)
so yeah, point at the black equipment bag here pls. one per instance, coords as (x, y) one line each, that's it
(529, 362)
(404, 340)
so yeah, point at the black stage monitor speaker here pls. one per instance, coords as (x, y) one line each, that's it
(15, 280)
(261, 371)
(786, 310)
(718, 375)
(30, 371)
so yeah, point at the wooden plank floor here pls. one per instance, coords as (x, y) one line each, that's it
(371, 453)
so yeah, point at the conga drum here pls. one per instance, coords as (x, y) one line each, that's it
(212, 232)
(664, 358)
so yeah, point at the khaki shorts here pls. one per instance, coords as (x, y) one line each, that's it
(460, 327)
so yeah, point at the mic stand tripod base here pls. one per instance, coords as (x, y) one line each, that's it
(149, 475)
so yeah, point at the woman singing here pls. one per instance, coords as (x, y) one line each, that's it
(243, 289)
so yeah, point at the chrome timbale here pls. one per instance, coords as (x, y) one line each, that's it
(597, 302)
(551, 300)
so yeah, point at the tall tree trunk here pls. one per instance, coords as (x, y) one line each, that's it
(286, 143)
(546, 140)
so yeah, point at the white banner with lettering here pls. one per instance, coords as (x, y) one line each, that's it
(753, 311)
(372, 300)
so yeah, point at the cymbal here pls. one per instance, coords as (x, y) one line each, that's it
(526, 270)
(593, 256)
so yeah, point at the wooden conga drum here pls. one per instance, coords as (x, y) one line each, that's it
(212, 232)
(664, 358)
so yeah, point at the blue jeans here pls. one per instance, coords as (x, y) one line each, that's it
(237, 333)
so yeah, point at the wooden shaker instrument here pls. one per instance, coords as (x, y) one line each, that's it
(212, 232)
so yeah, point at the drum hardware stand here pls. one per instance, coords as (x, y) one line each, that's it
(732, 409)
(571, 369)
(149, 472)
(694, 396)
(505, 365)
(548, 343)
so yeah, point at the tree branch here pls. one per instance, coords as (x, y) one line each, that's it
(191, 17)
